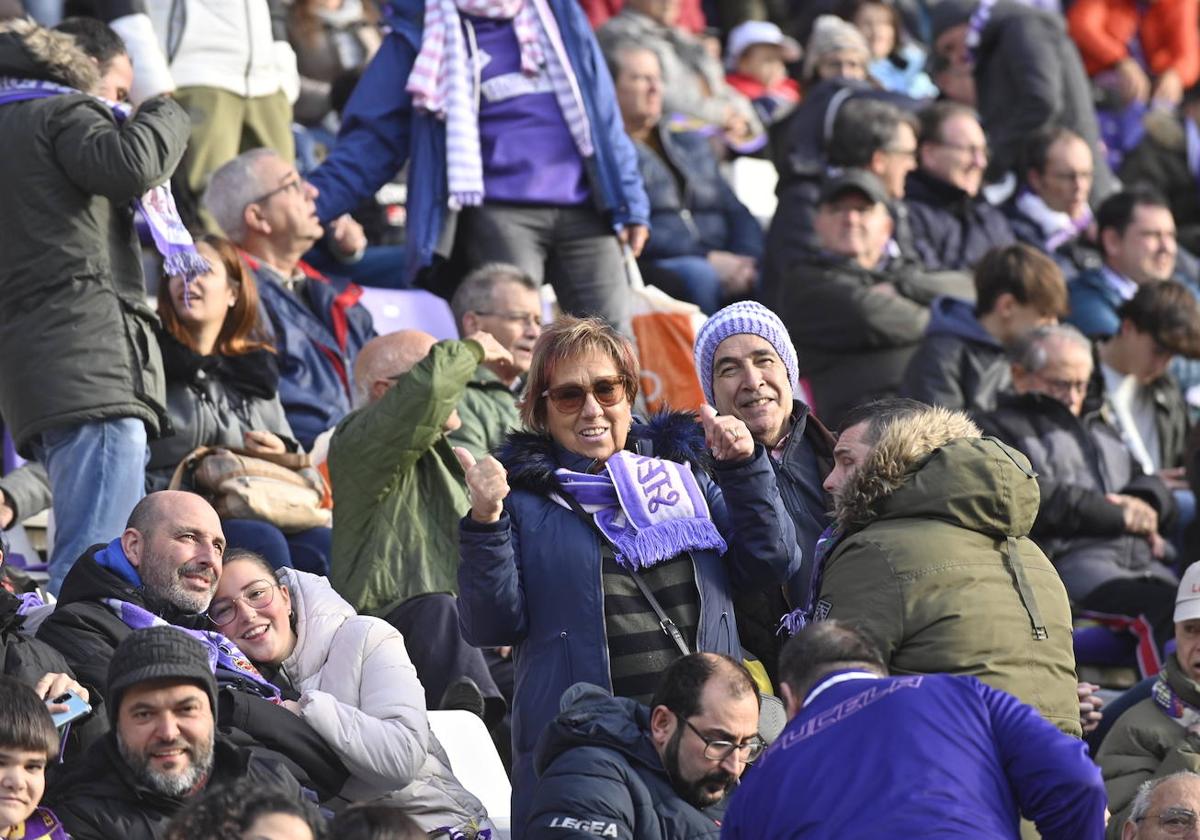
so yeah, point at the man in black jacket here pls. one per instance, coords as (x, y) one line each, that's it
(82, 380)
(166, 564)
(611, 767)
(163, 748)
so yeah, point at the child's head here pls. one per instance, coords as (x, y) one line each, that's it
(28, 742)
(1018, 288)
(759, 50)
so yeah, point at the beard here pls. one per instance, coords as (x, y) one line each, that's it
(163, 587)
(698, 792)
(200, 762)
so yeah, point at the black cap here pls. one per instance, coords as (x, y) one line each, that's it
(158, 653)
(853, 180)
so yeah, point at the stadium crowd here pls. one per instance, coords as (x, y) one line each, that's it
(711, 418)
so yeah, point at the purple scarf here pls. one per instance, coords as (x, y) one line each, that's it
(222, 653)
(649, 509)
(42, 825)
(157, 206)
(797, 619)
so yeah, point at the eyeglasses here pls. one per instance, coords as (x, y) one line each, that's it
(716, 749)
(257, 595)
(569, 399)
(528, 319)
(1175, 822)
(296, 186)
(1065, 386)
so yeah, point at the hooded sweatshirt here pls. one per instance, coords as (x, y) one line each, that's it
(959, 364)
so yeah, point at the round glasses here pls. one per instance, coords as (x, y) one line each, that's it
(257, 595)
(716, 749)
(569, 399)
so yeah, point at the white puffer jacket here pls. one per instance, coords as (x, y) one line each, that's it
(360, 692)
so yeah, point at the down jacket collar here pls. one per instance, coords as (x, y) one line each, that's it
(532, 458)
(28, 51)
(937, 466)
(319, 612)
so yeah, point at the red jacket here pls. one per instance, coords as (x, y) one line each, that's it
(691, 16)
(1169, 32)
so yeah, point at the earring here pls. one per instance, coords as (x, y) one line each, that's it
(232, 304)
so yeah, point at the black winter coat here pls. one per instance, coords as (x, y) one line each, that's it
(76, 335)
(1078, 460)
(101, 799)
(951, 230)
(87, 632)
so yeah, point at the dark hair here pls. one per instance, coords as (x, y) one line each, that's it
(931, 119)
(225, 812)
(1036, 147)
(684, 681)
(342, 88)
(879, 414)
(1168, 312)
(822, 647)
(848, 10)
(25, 723)
(615, 53)
(1025, 273)
(235, 555)
(375, 821)
(1117, 211)
(94, 37)
(862, 127)
(242, 330)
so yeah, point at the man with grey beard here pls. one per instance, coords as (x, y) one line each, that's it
(163, 569)
(163, 748)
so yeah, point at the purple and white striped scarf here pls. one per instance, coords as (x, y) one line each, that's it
(445, 81)
(222, 653)
(649, 509)
(171, 238)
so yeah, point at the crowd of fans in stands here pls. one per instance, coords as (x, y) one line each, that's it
(945, 466)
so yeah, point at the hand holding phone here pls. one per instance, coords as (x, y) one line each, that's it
(67, 707)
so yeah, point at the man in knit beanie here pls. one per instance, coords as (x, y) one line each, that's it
(748, 369)
(163, 747)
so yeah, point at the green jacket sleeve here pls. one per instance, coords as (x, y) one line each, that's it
(27, 490)
(472, 435)
(860, 588)
(384, 439)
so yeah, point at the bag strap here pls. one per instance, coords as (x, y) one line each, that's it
(188, 462)
(664, 621)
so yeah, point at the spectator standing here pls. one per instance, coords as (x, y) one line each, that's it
(502, 301)
(952, 223)
(332, 38)
(539, 172)
(81, 386)
(588, 620)
(656, 772)
(163, 747)
(317, 324)
(931, 521)
(991, 758)
(701, 233)
(961, 363)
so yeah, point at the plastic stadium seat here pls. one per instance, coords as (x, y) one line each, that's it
(409, 309)
(475, 762)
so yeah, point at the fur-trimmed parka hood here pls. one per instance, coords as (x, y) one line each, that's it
(532, 458)
(29, 51)
(938, 466)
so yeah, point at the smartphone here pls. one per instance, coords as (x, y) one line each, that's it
(77, 707)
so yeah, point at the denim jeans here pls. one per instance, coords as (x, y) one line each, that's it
(97, 474)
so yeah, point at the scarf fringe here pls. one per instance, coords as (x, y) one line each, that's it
(187, 264)
(651, 546)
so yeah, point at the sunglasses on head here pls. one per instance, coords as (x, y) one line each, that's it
(569, 399)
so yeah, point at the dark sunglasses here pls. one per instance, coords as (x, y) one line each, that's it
(569, 399)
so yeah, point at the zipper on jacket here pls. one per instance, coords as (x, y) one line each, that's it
(566, 647)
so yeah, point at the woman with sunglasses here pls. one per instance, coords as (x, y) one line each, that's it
(574, 521)
(223, 390)
(349, 678)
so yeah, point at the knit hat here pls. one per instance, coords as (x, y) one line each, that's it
(155, 653)
(743, 318)
(830, 34)
(947, 14)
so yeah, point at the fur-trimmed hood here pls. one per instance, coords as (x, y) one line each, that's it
(29, 51)
(532, 458)
(938, 466)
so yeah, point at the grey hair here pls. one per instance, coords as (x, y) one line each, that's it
(614, 55)
(1141, 802)
(232, 188)
(474, 293)
(1029, 351)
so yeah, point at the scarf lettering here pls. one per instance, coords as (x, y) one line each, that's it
(652, 475)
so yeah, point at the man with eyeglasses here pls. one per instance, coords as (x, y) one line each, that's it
(1101, 516)
(1164, 808)
(953, 225)
(611, 767)
(865, 754)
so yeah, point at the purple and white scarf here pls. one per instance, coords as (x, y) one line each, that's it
(801, 617)
(445, 81)
(1172, 705)
(975, 26)
(222, 653)
(171, 238)
(649, 509)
